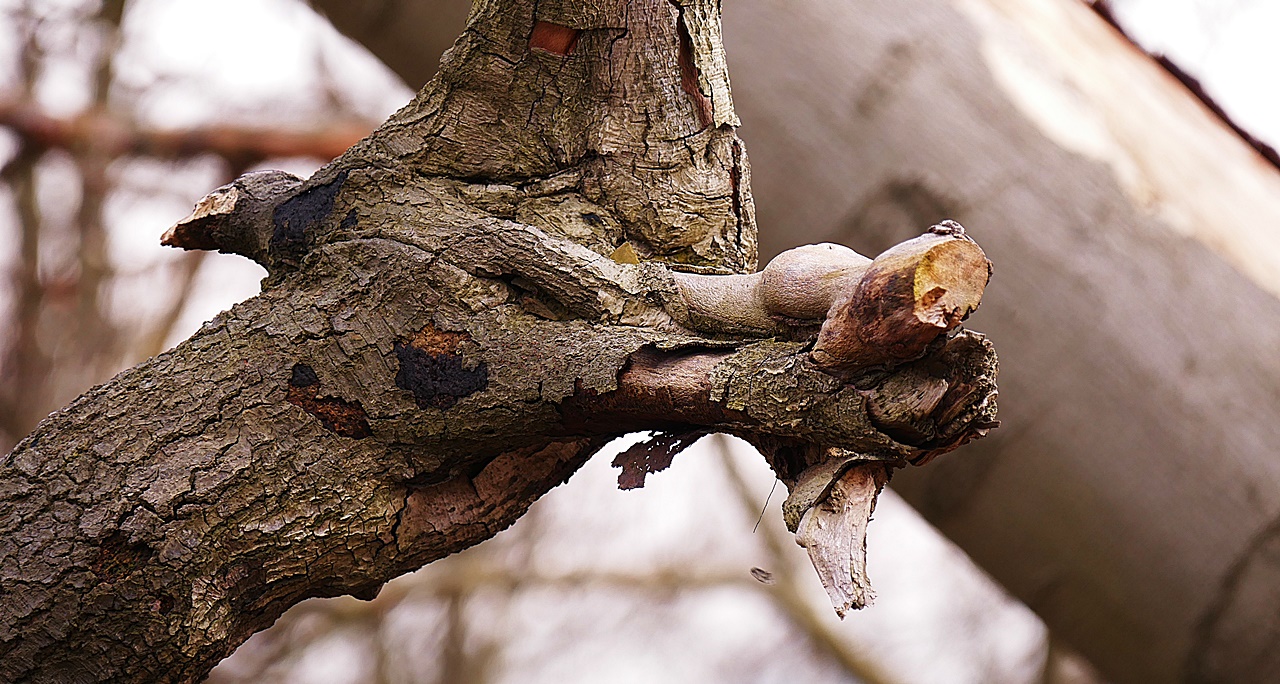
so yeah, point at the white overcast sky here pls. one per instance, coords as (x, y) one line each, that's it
(1231, 46)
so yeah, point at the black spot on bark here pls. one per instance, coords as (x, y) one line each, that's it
(437, 380)
(593, 219)
(303, 376)
(350, 221)
(298, 218)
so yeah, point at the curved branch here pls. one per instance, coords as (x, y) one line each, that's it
(444, 336)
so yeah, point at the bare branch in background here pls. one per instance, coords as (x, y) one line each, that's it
(24, 365)
(115, 136)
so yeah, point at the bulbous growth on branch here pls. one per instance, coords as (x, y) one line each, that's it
(870, 312)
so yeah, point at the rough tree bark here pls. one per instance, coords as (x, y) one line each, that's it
(1130, 499)
(535, 255)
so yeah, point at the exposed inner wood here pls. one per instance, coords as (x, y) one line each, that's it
(834, 532)
(554, 38)
(908, 296)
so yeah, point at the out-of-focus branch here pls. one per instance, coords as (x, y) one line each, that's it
(114, 136)
(187, 269)
(95, 340)
(22, 361)
(458, 578)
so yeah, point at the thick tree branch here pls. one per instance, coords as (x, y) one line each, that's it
(1090, 175)
(452, 324)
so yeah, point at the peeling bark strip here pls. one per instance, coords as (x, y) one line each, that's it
(346, 418)
(689, 78)
(432, 368)
(151, 526)
(834, 532)
(652, 455)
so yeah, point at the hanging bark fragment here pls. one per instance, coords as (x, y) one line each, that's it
(834, 532)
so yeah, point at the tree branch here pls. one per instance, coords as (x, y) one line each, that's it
(447, 333)
(113, 136)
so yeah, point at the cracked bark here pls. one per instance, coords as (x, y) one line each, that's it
(443, 337)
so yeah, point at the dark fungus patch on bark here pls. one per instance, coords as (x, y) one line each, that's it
(432, 367)
(118, 558)
(350, 221)
(301, 215)
(345, 418)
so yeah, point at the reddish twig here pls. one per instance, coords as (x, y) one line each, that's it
(115, 136)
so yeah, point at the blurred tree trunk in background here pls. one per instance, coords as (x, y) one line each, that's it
(1131, 497)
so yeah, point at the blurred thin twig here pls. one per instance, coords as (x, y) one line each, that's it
(116, 136)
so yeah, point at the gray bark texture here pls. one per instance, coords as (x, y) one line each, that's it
(460, 310)
(1131, 498)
